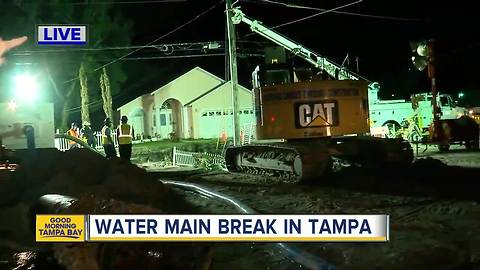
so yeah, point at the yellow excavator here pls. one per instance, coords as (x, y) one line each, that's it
(304, 120)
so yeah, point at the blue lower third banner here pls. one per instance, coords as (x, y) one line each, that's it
(268, 228)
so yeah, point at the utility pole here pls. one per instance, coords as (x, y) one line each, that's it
(431, 75)
(232, 52)
(358, 68)
(426, 58)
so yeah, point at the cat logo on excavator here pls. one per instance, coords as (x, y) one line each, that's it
(316, 114)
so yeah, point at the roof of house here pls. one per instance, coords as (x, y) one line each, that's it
(195, 69)
(221, 82)
(125, 104)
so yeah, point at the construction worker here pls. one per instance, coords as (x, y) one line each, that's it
(107, 140)
(87, 134)
(124, 138)
(73, 131)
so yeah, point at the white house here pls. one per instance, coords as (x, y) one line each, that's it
(195, 105)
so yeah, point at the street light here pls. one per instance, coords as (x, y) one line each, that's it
(420, 61)
(461, 95)
(25, 88)
(425, 58)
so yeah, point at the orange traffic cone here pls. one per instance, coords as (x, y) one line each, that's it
(223, 136)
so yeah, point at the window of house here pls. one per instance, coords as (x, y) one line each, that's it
(211, 113)
(163, 120)
(204, 114)
(154, 120)
(219, 113)
(245, 112)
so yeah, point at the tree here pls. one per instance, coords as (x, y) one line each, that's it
(106, 94)
(84, 94)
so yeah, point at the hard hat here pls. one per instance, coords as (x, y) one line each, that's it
(107, 121)
(73, 124)
(124, 119)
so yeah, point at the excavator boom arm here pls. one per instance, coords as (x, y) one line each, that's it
(332, 68)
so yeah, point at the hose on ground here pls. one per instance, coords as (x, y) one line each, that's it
(298, 255)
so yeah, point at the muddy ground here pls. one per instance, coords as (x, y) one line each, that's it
(434, 209)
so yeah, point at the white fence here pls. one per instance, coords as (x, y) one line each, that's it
(248, 132)
(183, 158)
(63, 144)
(188, 159)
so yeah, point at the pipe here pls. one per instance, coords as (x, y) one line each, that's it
(298, 255)
(48, 204)
(51, 204)
(77, 140)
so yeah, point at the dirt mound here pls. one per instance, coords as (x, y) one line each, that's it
(103, 186)
(80, 171)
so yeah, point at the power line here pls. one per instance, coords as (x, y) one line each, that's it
(311, 16)
(161, 37)
(173, 56)
(244, 54)
(95, 103)
(338, 12)
(155, 40)
(86, 3)
(183, 46)
(318, 14)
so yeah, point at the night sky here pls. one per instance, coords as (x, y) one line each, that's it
(381, 44)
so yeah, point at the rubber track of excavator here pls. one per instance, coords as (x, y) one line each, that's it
(312, 159)
(303, 161)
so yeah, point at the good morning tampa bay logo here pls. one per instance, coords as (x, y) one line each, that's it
(60, 228)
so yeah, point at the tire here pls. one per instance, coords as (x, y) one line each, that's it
(443, 147)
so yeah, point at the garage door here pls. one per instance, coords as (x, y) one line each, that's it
(213, 122)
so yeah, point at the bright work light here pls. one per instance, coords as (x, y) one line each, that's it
(25, 88)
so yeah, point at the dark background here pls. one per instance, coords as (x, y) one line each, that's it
(381, 44)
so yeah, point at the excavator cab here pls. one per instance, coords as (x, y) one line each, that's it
(279, 69)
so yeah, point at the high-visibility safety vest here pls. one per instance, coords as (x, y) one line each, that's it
(105, 139)
(125, 134)
(73, 133)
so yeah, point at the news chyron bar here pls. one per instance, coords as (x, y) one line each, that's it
(218, 228)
